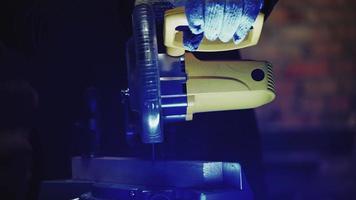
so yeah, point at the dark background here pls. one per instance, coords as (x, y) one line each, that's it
(309, 130)
(61, 48)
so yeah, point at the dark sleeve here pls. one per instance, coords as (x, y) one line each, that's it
(268, 7)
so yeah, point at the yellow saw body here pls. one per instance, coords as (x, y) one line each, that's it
(168, 83)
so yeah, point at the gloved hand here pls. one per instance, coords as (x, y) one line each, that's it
(223, 19)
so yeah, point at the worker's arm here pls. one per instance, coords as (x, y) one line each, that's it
(268, 7)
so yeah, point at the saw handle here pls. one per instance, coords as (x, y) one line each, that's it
(173, 39)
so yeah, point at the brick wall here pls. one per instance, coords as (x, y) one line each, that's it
(312, 46)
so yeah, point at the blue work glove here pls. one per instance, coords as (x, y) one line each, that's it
(219, 19)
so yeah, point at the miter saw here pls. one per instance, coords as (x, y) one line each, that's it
(168, 83)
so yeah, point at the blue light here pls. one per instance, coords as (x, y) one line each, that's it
(202, 196)
(212, 171)
(153, 121)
